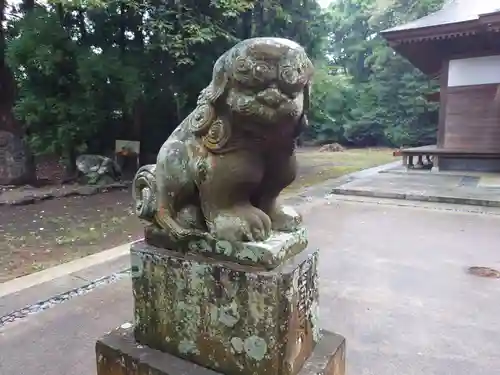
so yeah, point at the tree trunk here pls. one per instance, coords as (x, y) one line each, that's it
(22, 170)
(27, 5)
(7, 84)
(247, 24)
(139, 105)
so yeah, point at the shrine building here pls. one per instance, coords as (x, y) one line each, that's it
(460, 46)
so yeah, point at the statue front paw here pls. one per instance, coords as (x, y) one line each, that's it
(285, 218)
(241, 223)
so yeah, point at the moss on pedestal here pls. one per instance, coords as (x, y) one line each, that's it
(225, 316)
(267, 254)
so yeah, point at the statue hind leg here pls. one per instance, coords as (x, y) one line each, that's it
(169, 193)
(174, 192)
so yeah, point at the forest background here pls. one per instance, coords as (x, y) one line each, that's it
(78, 74)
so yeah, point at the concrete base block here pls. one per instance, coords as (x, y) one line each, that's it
(119, 354)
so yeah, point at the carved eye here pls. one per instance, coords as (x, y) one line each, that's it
(295, 69)
(242, 64)
(243, 69)
(289, 75)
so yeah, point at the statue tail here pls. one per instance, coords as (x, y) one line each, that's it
(144, 192)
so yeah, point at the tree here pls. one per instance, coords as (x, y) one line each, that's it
(91, 71)
(63, 84)
(332, 96)
(95, 70)
(8, 121)
(387, 105)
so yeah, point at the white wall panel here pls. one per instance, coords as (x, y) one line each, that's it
(474, 71)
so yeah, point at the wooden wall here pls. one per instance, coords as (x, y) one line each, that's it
(472, 118)
(443, 95)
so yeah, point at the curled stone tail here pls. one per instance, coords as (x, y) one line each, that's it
(144, 192)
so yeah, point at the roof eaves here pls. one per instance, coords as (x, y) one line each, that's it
(446, 31)
(453, 12)
(491, 20)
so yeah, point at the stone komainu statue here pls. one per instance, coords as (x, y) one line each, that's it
(220, 172)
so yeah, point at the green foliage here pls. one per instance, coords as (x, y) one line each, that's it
(66, 92)
(332, 95)
(91, 71)
(386, 103)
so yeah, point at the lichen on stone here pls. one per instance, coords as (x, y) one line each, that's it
(229, 315)
(199, 246)
(222, 315)
(237, 344)
(224, 247)
(188, 347)
(268, 254)
(316, 331)
(136, 265)
(255, 347)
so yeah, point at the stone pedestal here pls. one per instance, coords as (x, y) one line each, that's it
(231, 318)
(119, 354)
(267, 254)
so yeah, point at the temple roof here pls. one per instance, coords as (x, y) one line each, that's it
(452, 12)
(461, 28)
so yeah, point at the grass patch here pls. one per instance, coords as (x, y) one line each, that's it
(316, 167)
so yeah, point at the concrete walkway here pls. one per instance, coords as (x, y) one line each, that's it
(393, 282)
(458, 188)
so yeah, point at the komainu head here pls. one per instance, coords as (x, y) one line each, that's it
(258, 81)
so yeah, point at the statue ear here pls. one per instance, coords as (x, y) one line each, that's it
(203, 116)
(217, 86)
(301, 126)
(214, 132)
(303, 121)
(307, 98)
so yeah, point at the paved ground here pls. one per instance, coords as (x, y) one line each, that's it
(393, 282)
(479, 189)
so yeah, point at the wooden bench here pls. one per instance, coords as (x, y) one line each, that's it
(424, 155)
(427, 155)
